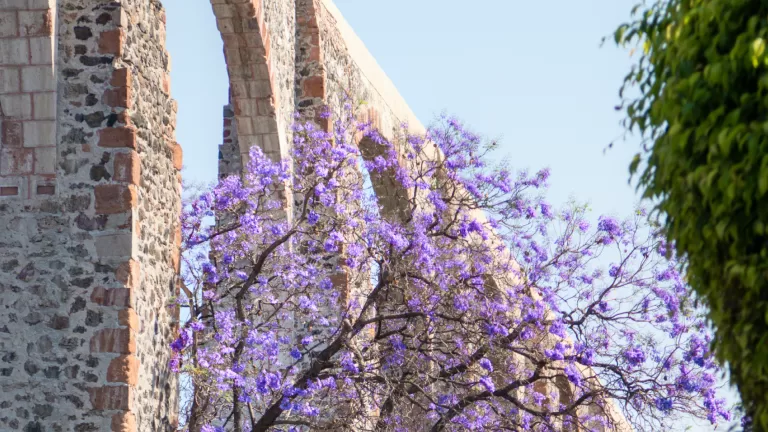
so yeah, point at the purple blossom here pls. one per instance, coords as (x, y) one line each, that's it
(348, 364)
(312, 218)
(573, 374)
(181, 342)
(635, 356)
(487, 382)
(295, 353)
(609, 226)
(664, 404)
(614, 271)
(546, 210)
(557, 328)
(486, 364)
(557, 353)
(588, 357)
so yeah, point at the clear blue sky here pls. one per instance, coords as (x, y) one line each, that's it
(529, 72)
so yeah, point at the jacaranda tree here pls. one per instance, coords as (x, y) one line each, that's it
(411, 285)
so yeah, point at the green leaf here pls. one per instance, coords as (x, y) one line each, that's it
(705, 157)
(724, 141)
(758, 49)
(618, 35)
(762, 181)
(634, 164)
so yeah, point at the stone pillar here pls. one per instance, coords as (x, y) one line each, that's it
(88, 217)
(255, 93)
(229, 151)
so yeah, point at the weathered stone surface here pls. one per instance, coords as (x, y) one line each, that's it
(124, 369)
(78, 165)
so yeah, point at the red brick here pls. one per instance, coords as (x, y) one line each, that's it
(374, 118)
(124, 422)
(176, 260)
(124, 369)
(122, 117)
(119, 97)
(127, 167)
(129, 273)
(119, 340)
(122, 77)
(137, 229)
(323, 123)
(314, 87)
(312, 23)
(541, 387)
(340, 279)
(177, 155)
(46, 190)
(116, 198)
(9, 190)
(176, 249)
(166, 84)
(111, 42)
(120, 297)
(12, 134)
(177, 236)
(314, 54)
(267, 46)
(128, 318)
(111, 397)
(119, 137)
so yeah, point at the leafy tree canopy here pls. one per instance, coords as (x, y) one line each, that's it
(698, 97)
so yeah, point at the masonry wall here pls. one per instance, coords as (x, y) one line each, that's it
(152, 113)
(230, 162)
(88, 237)
(258, 38)
(27, 99)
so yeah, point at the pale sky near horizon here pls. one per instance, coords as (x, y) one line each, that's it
(526, 72)
(531, 73)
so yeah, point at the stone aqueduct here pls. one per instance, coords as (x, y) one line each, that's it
(90, 187)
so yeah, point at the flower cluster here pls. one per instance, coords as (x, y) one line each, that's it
(410, 284)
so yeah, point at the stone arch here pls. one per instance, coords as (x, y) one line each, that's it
(255, 99)
(390, 194)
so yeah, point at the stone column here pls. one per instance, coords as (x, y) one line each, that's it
(88, 217)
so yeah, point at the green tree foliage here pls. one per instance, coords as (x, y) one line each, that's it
(702, 110)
